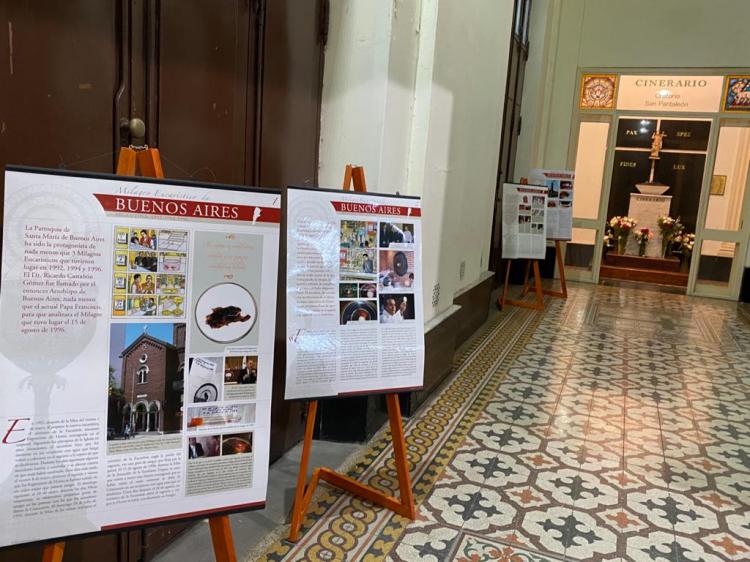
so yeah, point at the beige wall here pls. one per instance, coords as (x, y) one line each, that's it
(413, 90)
(570, 34)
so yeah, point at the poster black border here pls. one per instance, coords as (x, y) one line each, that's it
(125, 527)
(341, 191)
(140, 179)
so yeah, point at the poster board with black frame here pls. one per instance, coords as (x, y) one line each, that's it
(73, 245)
(355, 321)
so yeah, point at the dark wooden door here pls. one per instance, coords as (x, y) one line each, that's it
(59, 77)
(228, 91)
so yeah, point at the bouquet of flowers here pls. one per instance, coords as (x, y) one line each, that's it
(686, 241)
(670, 228)
(621, 227)
(642, 236)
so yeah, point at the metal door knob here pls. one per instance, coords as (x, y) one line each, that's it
(137, 128)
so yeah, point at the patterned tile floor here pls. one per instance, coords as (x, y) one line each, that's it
(613, 426)
(621, 431)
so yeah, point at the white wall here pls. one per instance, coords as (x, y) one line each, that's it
(413, 90)
(567, 35)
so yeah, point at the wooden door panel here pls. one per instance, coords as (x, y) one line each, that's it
(204, 48)
(59, 74)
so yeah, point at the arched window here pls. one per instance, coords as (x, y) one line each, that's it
(142, 374)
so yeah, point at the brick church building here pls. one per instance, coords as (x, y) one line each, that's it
(152, 383)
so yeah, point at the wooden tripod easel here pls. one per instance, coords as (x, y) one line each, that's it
(563, 292)
(149, 162)
(354, 175)
(538, 303)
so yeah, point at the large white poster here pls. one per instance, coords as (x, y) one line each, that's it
(136, 351)
(559, 184)
(354, 293)
(524, 221)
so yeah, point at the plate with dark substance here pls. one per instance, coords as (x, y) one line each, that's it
(225, 313)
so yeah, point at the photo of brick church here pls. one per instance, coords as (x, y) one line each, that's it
(147, 362)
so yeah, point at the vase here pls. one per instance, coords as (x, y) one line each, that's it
(665, 243)
(685, 264)
(641, 250)
(622, 241)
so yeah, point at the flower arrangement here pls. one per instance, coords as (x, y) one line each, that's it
(643, 236)
(669, 228)
(686, 241)
(621, 227)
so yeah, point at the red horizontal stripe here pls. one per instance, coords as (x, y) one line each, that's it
(207, 210)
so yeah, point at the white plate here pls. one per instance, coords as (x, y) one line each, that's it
(223, 295)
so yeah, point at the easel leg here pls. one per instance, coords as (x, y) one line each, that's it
(401, 458)
(126, 162)
(221, 536)
(298, 510)
(538, 287)
(150, 163)
(526, 279)
(561, 269)
(501, 300)
(53, 552)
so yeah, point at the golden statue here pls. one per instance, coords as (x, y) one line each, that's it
(656, 144)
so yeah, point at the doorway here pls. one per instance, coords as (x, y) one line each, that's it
(700, 176)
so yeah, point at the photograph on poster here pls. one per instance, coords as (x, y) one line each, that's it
(146, 377)
(357, 264)
(225, 312)
(219, 417)
(396, 307)
(142, 305)
(205, 375)
(142, 239)
(167, 284)
(203, 446)
(241, 370)
(358, 234)
(172, 262)
(173, 241)
(236, 444)
(143, 261)
(348, 290)
(368, 290)
(396, 270)
(392, 233)
(357, 311)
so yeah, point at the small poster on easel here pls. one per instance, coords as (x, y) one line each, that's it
(559, 201)
(354, 293)
(524, 221)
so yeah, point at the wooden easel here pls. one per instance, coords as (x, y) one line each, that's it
(538, 304)
(354, 175)
(149, 162)
(563, 292)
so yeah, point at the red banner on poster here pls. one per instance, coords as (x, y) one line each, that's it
(374, 209)
(187, 209)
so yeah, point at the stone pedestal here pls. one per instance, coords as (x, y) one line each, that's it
(646, 209)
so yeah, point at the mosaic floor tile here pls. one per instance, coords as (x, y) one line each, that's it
(614, 427)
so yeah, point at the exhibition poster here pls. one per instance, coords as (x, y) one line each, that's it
(559, 201)
(524, 221)
(136, 351)
(354, 293)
